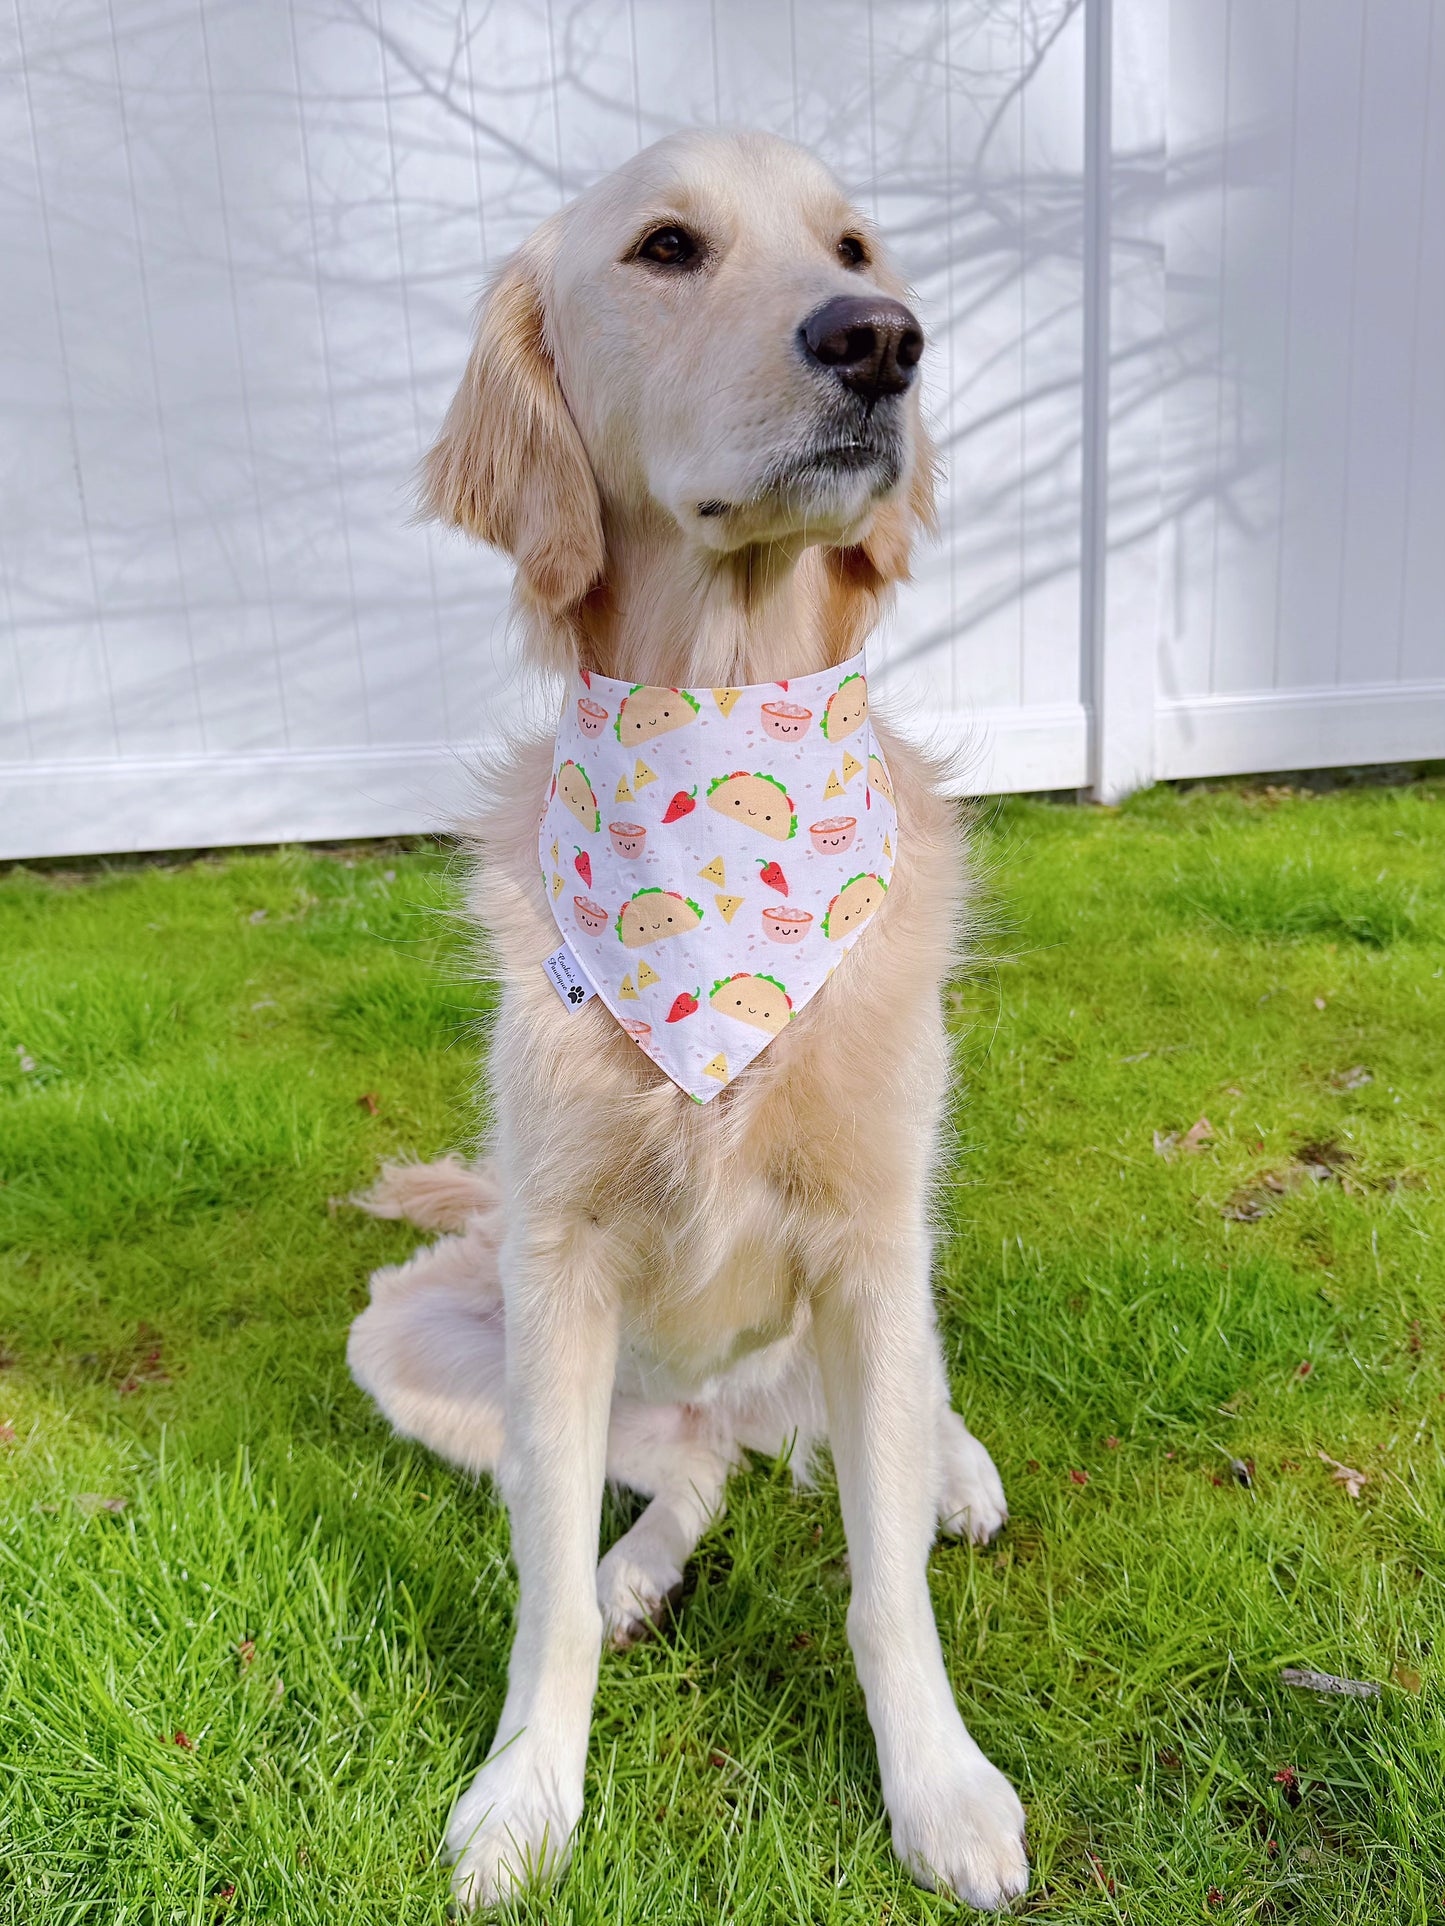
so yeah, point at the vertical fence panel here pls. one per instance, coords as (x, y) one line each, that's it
(1385, 268)
(1124, 374)
(1419, 646)
(1305, 293)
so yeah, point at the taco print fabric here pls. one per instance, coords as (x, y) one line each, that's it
(710, 856)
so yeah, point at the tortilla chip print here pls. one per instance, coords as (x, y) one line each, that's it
(734, 844)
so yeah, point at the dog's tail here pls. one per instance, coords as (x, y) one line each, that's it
(447, 1195)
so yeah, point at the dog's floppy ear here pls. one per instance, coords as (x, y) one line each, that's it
(508, 466)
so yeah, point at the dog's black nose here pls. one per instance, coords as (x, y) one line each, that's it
(872, 345)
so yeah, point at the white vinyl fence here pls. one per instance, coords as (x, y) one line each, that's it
(1182, 263)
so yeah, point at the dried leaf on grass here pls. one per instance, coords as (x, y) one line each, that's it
(1407, 1678)
(1175, 1143)
(1329, 1685)
(149, 1369)
(274, 1687)
(1324, 1160)
(91, 1502)
(1353, 1079)
(1313, 1163)
(1345, 1475)
(1096, 1867)
(1246, 1206)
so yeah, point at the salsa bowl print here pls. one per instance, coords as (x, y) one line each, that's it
(788, 721)
(834, 835)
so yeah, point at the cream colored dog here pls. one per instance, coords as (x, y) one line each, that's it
(690, 416)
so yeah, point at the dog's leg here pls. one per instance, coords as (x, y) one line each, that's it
(971, 1503)
(957, 1823)
(513, 1824)
(682, 1458)
(431, 1350)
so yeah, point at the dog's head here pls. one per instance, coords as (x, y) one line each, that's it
(711, 335)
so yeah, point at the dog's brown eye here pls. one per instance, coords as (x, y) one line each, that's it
(851, 251)
(670, 247)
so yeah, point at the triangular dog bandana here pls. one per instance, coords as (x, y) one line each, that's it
(711, 854)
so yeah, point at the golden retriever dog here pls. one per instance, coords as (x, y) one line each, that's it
(691, 418)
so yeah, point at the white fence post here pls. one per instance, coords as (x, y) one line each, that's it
(1126, 83)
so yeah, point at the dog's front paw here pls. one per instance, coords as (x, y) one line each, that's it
(971, 1503)
(510, 1829)
(960, 1830)
(634, 1593)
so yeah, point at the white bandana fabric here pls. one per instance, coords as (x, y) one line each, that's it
(711, 855)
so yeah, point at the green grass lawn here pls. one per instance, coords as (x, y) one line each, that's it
(250, 1645)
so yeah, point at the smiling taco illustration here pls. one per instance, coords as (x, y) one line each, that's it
(756, 801)
(847, 708)
(645, 711)
(652, 915)
(576, 791)
(850, 909)
(759, 1000)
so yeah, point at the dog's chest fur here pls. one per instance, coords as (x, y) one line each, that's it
(733, 1212)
